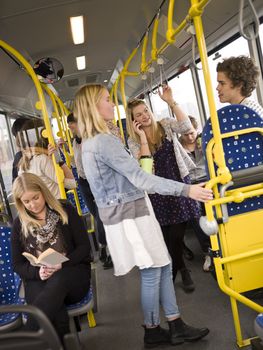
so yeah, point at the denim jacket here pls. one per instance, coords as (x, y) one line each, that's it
(115, 177)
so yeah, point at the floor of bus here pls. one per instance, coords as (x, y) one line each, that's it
(119, 316)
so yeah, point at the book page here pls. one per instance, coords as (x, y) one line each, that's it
(31, 258)
(51, 257)
(48, 257)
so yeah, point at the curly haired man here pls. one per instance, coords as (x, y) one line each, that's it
(237, 78)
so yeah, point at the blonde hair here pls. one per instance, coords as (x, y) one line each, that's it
(31, 182)
(157, 132)
(90, 122)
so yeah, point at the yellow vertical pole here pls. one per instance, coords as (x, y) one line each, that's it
(144, 48)
(154, 38)
(236, 321)
(115, 92)
(195, 13)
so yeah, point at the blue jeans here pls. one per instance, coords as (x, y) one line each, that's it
(157, 288)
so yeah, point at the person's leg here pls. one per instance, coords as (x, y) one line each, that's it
(68, 285)
(173, 236)
(150, 295)
(99, 227)
(203, 239)
(87, 195)
(167, 294)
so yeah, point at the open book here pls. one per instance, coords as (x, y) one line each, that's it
(48, 257)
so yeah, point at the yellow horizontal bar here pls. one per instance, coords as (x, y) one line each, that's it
(241, 256)
(237, 197)
(133, 74)
(231, 292)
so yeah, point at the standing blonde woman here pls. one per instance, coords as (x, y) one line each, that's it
(133, 234)
(147, 137)
(42, 223)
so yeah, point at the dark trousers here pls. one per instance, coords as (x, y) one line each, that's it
(203, 239)
(174, 236)
(91, 204)
(66, 286)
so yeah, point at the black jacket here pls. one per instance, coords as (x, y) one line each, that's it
(75, 237)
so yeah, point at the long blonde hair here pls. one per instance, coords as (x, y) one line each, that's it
(31, 182)
(157, 132)
(89, 120)
(28, 153)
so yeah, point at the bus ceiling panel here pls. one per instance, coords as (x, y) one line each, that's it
(112, 30)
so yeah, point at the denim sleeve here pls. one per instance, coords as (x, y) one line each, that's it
(112, 152)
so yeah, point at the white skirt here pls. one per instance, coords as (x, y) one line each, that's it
(137, 242)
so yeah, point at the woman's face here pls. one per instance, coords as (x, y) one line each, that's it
(106, 106)
(190, 137)
(141, 114)
(34, 202)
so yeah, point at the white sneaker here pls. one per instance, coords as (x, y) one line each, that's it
(207, 264)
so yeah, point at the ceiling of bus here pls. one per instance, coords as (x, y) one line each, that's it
(40, 28)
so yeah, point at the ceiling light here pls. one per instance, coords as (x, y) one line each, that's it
(105, 81)
(77, 29)
(81, 62)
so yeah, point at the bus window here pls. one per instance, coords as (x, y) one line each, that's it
(184, 94)
(6, 155)
(160, 109)
(236, 48)
(261, 36)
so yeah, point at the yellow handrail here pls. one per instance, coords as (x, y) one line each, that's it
(55, 99)
(219, 159)
(144, 48)
(41, 105)
(154, 38)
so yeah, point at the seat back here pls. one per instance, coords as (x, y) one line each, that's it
(243, 230)
(9, 281)
(45, 338)
(241, 152)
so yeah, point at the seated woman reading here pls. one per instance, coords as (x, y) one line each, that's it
(44, 222)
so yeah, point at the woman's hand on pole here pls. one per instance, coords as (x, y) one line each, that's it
(166, 94)
(199, 193)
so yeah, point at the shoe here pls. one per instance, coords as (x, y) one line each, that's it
(103, 254)
(108, 263)
(207, 264)
(188, 284)
(187, 253)
(155, 336)
(181, 332)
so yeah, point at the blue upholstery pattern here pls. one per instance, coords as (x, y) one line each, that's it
(88, 297)
(242, 152)
(70, 196)
(9, 281)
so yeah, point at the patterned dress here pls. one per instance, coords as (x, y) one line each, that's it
(171, 210)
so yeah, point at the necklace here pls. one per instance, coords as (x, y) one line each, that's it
(242, 100)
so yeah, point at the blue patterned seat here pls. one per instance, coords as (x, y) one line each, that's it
(241, 152)
(83, 306)
(70, 196)
(9, 282)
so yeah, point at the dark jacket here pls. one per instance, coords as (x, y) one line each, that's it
(75, 238)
